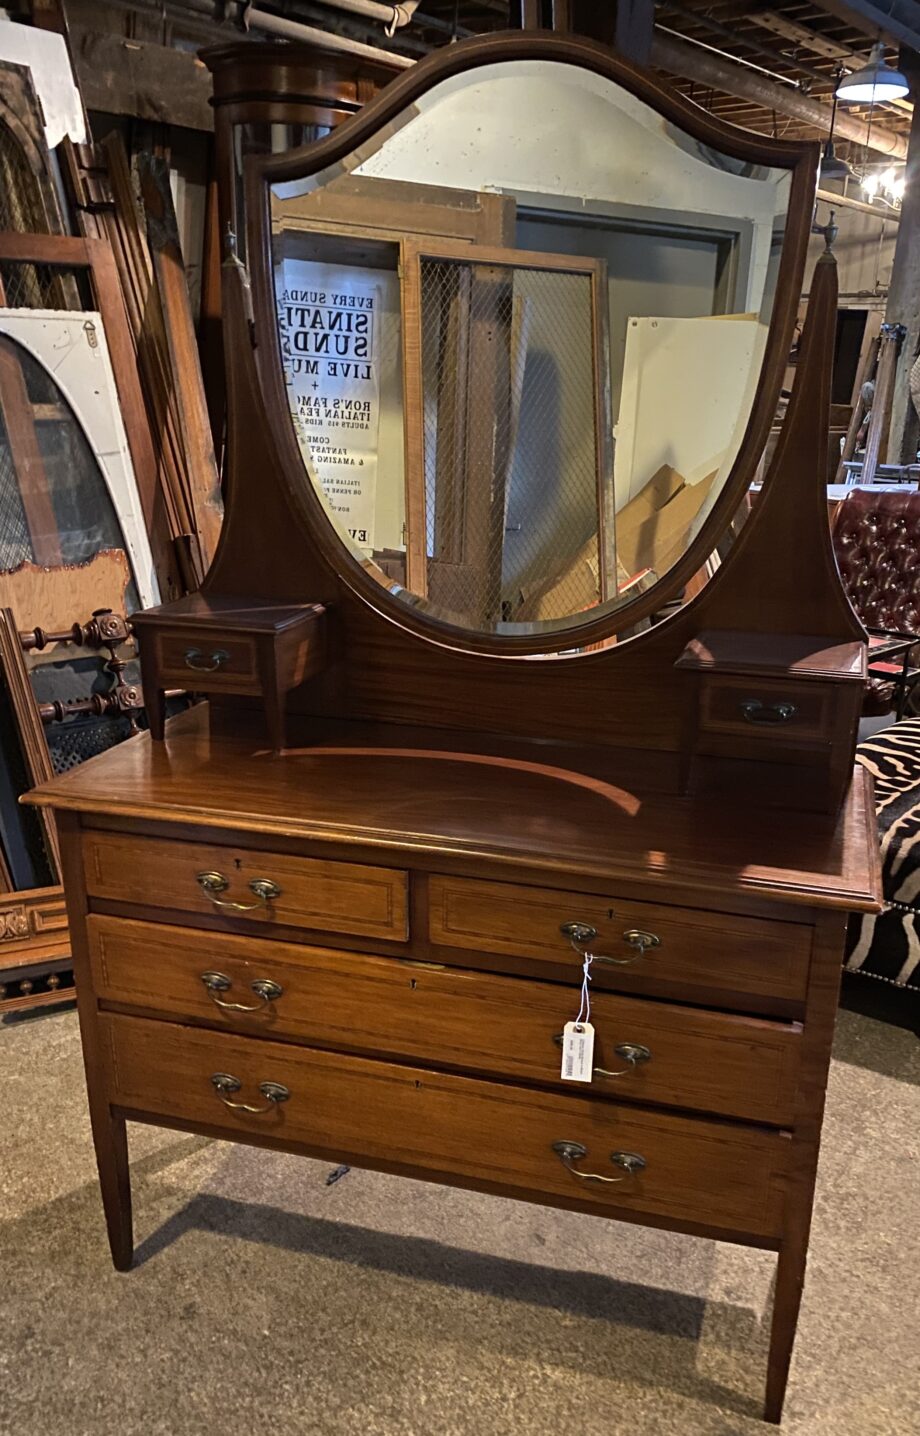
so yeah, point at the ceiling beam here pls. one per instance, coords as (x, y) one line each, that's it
(898, 21)
(692, 62)
(799, 34)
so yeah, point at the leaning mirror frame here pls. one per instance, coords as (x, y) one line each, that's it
(593, 625)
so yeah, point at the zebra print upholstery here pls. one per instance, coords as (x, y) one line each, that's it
(888, 946)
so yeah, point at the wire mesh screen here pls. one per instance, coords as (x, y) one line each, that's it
(24, 285)
(20, 200)
(15, 539)
(509, 440)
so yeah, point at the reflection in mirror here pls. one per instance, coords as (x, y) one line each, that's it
(522, 330)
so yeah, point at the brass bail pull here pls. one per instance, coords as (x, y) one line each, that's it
(206, 663)
(212, 883)
(581, 934)
(224, 1084)
(265, 990)
(571, 1152)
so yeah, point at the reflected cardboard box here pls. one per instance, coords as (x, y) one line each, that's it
(652, 533)
(653, 529)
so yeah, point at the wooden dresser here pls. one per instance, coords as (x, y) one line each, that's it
(395, 1001)
(369, 946)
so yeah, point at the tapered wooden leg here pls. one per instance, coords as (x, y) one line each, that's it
(790, 1279)
(110, 1139)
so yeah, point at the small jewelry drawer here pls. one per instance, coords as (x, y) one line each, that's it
(752, 708)
(503, 1026)
(207, 661)
(245, 887)
(600, 1155)
(650, 946)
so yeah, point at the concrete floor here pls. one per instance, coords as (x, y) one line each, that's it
(265, 1303)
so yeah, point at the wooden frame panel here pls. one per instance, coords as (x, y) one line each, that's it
(28, 723)
(33, 923)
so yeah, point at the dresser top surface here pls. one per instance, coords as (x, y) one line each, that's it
(413, 802)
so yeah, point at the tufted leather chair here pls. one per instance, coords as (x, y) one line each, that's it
(877, 543)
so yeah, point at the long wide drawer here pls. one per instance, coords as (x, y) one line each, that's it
(503, 1026)
(633, 942)
(711, 1173)
(247, 887)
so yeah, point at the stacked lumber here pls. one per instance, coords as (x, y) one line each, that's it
(133, 209)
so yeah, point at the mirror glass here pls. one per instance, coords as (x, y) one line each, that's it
(522, 329)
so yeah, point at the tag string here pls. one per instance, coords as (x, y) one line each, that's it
(584, 1008)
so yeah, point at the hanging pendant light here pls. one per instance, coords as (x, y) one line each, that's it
(832, 166)
(875, 82)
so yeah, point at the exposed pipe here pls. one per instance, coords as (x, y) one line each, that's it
(392, 16)
(698, 63)
(725, 32)
(695, 62)
(294, 30)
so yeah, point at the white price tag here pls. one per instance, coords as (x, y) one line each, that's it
(577, 1052)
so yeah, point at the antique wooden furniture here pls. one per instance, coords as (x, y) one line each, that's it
(367, 947)
(215, 646)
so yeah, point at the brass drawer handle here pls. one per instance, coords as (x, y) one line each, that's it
(571, 1152)
(213, 883)
(194, 658)
(265, 990)
(753, 711)
(632, 1052)
(274, 1092)
(580, 934)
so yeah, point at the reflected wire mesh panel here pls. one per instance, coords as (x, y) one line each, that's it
(508, 369)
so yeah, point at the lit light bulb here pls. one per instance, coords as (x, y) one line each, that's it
(871, 184)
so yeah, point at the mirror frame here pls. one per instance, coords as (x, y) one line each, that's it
(800, 158)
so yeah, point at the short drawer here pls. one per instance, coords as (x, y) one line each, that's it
(247, 887)
(189, 659)
(717, 1174)
(636, 943)
(794, 712)
(503, 1026)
